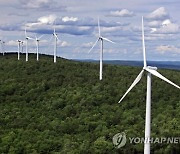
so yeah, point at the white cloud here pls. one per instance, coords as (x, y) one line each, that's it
(169, 29)
(166, 22)
(35, 3)
(63, 43)
(88, 45)
(122, 13)
(12, 43)
(167, 48)
(66, 19)
(44, 20)
(110, 29)
(42, 5)
(166, 27)
(154, 23)
(158, 14)
(47, 19)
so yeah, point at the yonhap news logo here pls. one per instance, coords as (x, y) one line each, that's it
(120, 140)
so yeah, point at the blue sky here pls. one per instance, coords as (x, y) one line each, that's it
(76, 24)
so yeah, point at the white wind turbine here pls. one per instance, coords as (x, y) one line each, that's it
(19, 48)
(37, 39)
(2, 47)
(100, 38)
(27, 38)
(55, 44)
(150, 71)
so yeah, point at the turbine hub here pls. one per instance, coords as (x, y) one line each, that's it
(100, 38)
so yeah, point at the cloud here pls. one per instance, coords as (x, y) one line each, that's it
(70, 25)
(63, 43)
(88, 45)
(75, 30)
(158, 14)
(47, 19)
(167, 48)
(42, 21)
(66, 19)
(167, 27)
(154, 24)
(10, 26)
(166, 22)
(44, 5)
(12, 43)
(122, 13)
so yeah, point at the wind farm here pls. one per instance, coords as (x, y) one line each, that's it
(84, 77)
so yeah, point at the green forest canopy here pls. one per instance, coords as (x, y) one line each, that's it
(64, 108)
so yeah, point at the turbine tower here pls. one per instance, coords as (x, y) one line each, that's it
(19, 48)
(1, 45)
(55, 44)
(27, 38)
(102, 39)
(22, 46)
(150, 71)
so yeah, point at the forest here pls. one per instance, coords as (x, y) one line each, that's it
(63, 108)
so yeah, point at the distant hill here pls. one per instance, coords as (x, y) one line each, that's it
(64, 108)
(160, 64)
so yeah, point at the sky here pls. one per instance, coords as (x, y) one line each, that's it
(76, 23)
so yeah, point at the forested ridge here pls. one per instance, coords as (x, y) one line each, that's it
(64, 108)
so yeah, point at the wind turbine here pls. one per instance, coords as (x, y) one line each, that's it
(55, 44)
(150, 71)
(27, 38)
(2, 46)
(37, 39)
(102, 39)
(19, 48)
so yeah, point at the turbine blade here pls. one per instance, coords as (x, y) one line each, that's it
(57, 37)
(51, 38)
(93, 45)
(108, 40)
(143, 43)
(54, 31)
(54, 23)
(99, 28)
(36, 37)
(138, 78)
(40, 37)
(25, 32)
(157, 74)
(30, 38)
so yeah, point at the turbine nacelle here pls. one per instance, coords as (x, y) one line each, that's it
(150, 67)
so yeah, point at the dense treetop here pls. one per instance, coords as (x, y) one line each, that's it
(64, 108)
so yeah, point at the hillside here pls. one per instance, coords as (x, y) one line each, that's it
(64, 108)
